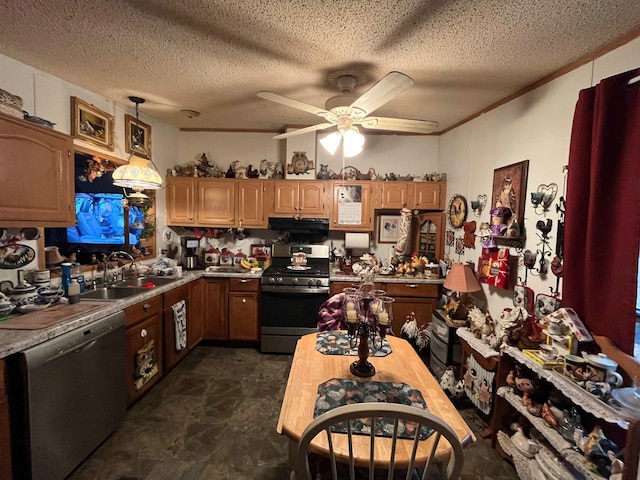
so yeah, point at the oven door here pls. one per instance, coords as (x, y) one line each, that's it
(287, 313)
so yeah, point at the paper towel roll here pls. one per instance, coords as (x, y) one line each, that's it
(356, 240)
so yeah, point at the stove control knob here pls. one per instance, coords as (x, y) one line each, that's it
(279, 280)
(272, 280)
(310, 282)
(294, 280)
(318, 282)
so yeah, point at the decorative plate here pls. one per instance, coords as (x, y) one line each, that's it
(16, 255)
(168, 236)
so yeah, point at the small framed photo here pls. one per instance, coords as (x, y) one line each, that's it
(388, 226)
(259, 249)
(137, 132)
(91, 124)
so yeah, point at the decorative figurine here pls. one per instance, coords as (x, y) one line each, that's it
(323, 173)
(251, 173)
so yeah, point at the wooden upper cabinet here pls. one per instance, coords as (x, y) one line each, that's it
(181, 200)
(427, 195)
(250, 205)
(393, 195)
(299, 198)
(36, 175)
(215, 202)
(351, 207)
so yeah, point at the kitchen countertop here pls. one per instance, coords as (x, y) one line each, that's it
(342, 277)
(13, 341)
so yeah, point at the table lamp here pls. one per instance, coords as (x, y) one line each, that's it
(462, 280)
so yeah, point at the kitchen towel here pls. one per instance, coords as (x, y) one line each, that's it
(180, 323)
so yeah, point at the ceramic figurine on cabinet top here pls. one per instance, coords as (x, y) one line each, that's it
(323, 173)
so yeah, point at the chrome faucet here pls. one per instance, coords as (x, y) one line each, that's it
(128, 256)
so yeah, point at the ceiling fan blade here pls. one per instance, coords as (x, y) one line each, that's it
(290, 102)
(302, 131)
(392, 84)
(399, 124)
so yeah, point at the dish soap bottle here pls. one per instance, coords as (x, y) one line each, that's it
(74, 291)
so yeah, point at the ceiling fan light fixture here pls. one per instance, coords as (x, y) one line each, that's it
(331, 142)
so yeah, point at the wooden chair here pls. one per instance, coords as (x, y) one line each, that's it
(371, 411)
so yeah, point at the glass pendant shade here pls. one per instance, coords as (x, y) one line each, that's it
(352, 142)
(137, 174)
(331, 142)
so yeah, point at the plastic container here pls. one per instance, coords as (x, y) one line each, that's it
(74, 291)
(66, 278)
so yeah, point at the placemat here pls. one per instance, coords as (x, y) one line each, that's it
(337, 343)
(50, 316)
(339, 391)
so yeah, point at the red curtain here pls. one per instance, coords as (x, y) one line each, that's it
(602, 221)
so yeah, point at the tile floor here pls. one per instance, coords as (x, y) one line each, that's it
(214, 417)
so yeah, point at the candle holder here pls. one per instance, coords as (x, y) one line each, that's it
(367, 310)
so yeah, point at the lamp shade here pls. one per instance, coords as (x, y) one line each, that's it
(137, 174)
(331, 142)
(461, 279)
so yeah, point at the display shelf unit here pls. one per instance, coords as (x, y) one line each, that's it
(587, 401)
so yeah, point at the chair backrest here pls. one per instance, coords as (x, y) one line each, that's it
(371, 411)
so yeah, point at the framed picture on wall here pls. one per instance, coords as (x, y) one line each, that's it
(137, 132)
(388, 226)
(91, 124)
(509, 189)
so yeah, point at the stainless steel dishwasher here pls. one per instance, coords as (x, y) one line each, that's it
(73, 397)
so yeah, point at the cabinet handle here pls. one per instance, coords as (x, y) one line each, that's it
(411, 285)
(146, 306)
(244, 300)
(143, 332)
(244, 280)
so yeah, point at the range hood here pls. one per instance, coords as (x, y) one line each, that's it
(303, 225)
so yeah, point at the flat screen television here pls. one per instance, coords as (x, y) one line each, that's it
(102, 224)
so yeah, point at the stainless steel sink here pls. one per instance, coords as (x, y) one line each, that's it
(146, 279)
(111, 294)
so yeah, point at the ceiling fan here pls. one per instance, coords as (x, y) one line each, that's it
(347, 116)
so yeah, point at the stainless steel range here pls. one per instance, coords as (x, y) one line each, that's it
(292, 294)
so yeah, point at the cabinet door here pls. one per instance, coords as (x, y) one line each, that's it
(311, 199)
(244, 323)
(5, 430)
(36, 175)
(403, 306)
(251, 204)
(394, 195)
(215, 318)
(427, 195)
(215, 205)
(428, 235)
(172, 352)
(285, 201)
(196, 315)
(351, 208)
(180, 201)
(144, 356)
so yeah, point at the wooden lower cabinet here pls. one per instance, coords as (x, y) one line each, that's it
(6, 467)
(144, 365)
(244, 309)
(215, 309)
(419, 298)
(196, 315)
(174, 348)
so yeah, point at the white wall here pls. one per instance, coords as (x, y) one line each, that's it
(49, 97)
(537, 127)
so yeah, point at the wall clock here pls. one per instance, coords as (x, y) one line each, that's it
(457, 210)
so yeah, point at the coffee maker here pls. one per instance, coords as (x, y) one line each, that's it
(189, 257)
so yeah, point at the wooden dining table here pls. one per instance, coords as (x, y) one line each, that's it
(310, 368)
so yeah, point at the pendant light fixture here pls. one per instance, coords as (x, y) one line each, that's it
(137, 174)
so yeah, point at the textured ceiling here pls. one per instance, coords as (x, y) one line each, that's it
(213, 56)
